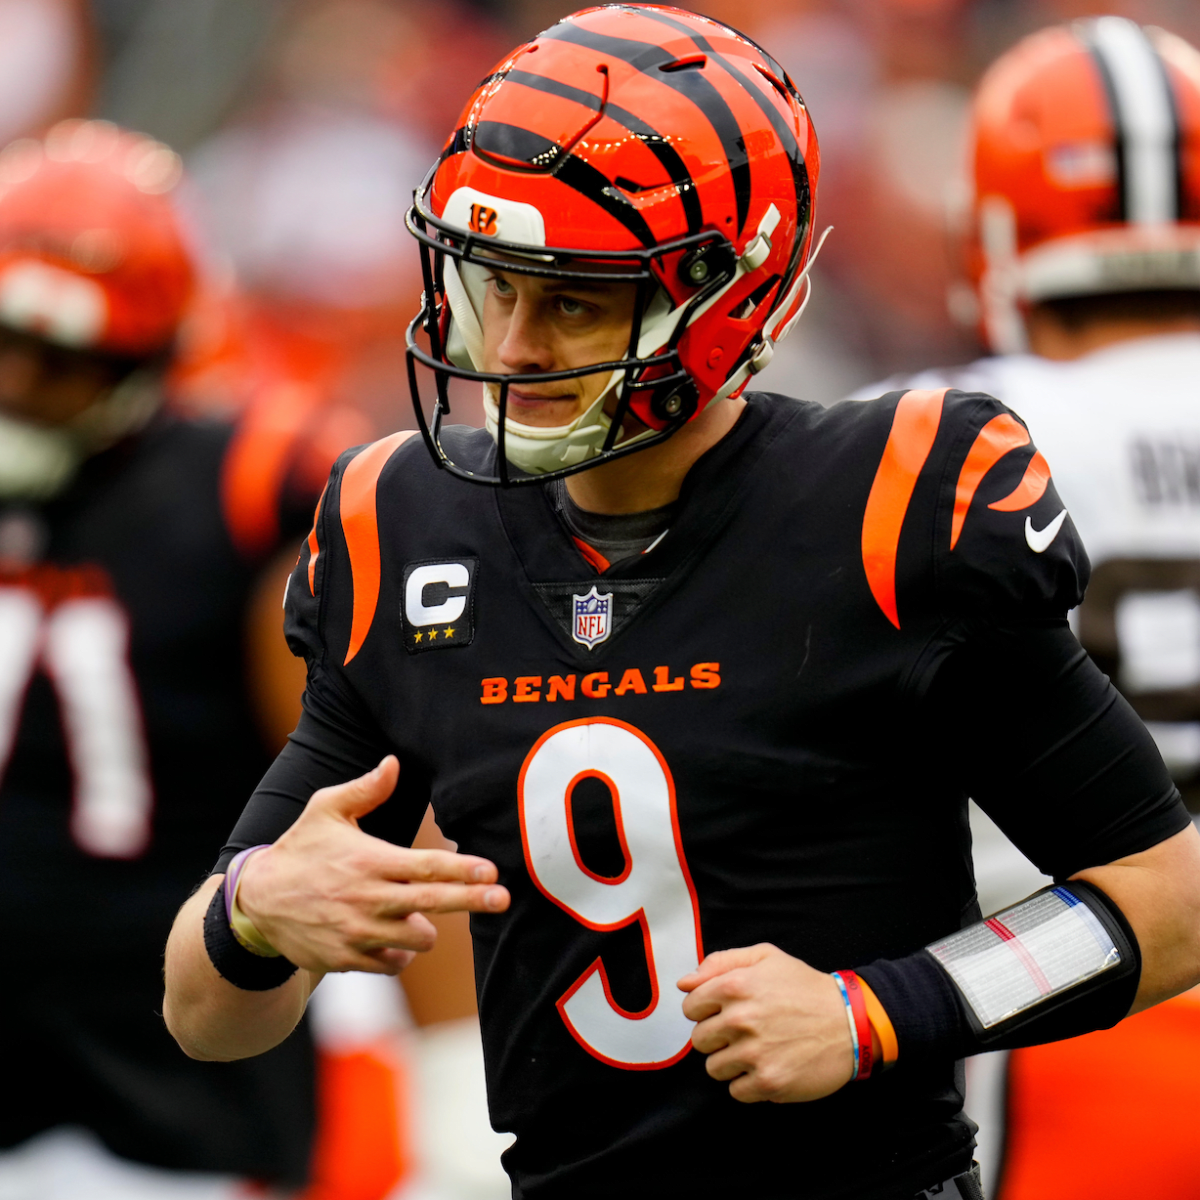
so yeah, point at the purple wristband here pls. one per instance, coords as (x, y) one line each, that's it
(233, 873)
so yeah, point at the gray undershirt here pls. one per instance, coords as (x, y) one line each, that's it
(617, 536)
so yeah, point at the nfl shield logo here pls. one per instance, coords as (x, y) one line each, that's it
(592, 618)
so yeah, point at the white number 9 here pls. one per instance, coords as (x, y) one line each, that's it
(654, 889)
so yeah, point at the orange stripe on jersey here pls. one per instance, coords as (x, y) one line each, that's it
(256, 465)
(313, 548)
(594, 557)
(914, 428)
(1000, 435)
(360, 525)
(1029, 491)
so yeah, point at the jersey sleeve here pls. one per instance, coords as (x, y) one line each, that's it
(962, 519)
(1050, 749)
(1006, 546)
(337, 738)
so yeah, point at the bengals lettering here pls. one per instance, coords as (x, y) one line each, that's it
(529, 689)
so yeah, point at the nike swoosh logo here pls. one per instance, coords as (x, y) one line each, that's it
(1039, 539)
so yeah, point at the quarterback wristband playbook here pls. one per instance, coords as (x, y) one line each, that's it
(241, 955)
(1060, 963)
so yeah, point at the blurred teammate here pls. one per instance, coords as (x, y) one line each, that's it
(1085, 251)
(699, 681)
(138, 685)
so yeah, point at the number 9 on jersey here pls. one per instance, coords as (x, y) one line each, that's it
(654, 888)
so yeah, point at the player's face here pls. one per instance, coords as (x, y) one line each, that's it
(50, 384)
(532, 324)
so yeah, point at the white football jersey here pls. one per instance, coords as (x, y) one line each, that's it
(1120, 429)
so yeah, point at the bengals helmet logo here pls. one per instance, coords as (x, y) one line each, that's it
(483, 220)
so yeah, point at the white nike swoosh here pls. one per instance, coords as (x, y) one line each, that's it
(1039, 539)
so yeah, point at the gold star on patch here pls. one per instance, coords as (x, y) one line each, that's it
(432, 635)
(449, 632)
(418, 636)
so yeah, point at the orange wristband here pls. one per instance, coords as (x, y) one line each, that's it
(881, 1023)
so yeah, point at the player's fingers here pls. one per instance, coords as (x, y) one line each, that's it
(357, 936)
(746, 1089)
(726, 1064)
(402, 899)
(387, 961)
(415, 866)
(357, 797)
(721, 961)
(711, 1035)
(701, 1006)
(716, 994)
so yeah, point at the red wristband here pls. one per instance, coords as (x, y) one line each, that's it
(862, 1023)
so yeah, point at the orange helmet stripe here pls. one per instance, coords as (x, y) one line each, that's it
(649, 59)
(360, 526)
(914, 428)
(1000, 435)
(654, 141)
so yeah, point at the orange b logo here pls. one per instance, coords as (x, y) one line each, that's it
(483, 220)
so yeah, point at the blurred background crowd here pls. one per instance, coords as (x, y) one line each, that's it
(304, 125)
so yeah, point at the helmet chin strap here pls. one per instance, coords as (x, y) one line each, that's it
(37, 462)
(537, 449)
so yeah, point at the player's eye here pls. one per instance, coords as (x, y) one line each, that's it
(502, 286)
(571, 307)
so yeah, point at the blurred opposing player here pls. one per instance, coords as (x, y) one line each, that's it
(1084, 249)
(138, 612)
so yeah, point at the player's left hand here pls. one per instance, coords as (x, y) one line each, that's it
(770, 1024)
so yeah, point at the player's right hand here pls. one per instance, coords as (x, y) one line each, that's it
(330, 897)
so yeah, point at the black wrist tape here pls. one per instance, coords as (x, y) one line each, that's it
(1062, 963)
(245, 970)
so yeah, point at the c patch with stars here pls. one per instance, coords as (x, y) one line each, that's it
(438, 605)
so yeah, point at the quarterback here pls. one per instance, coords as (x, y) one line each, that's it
(698, 679)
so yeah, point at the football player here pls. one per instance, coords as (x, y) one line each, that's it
(1084, 252)
(138, 611)
(700, 693)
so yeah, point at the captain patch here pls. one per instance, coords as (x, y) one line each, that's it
(438, 606)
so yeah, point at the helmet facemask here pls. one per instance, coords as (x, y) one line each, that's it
(453, 265)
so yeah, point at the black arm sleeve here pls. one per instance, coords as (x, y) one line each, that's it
(334, 741)
(1056, 756)
(1050, 749)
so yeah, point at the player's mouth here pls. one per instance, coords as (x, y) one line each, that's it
(542, 408)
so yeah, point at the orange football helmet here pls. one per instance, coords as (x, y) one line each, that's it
(92, 255)
(1086, 155)
(627, 143)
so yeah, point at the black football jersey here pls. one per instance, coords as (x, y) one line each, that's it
(717, 743)
(127, 746)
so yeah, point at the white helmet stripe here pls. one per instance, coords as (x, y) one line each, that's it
(1143, 107)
